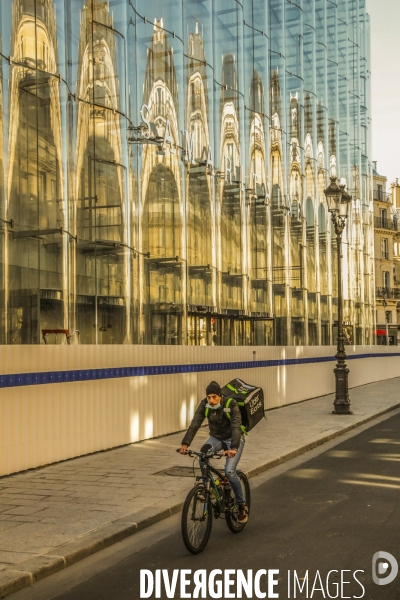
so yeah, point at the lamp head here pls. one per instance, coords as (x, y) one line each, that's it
(333, 194)
(345, 203)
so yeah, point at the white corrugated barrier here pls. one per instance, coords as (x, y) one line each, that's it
(59, 402)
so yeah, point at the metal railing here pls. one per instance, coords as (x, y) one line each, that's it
(385, 223)
(382, 197)
(387, 292)
(279, 275)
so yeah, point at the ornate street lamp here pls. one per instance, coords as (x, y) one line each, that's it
(338, 201)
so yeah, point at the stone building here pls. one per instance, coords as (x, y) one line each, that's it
(387, 257)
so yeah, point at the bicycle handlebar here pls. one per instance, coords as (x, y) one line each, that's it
(204, 455)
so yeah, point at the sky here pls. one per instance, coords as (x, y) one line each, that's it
(385, 85)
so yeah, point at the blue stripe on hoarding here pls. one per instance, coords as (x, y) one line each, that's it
(25, 379)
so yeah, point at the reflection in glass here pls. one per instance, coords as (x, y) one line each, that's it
(3, 303)
(278, 214)
(36, 275)
(163, 166)
(258, 219)
(162, 225)
(101, 282)
(230, 189)
(199, 229)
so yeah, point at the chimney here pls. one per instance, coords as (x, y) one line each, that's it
(375, 163)
(396, 194)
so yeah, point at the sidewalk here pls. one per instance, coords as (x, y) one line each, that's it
(55, 516)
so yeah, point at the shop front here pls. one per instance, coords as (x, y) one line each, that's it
(208, 326)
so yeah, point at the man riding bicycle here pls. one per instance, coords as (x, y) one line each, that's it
(225, 434)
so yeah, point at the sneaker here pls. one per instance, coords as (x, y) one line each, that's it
(243, 513)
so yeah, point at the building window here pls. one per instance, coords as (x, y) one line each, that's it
(388, 316)
(384, 248)
(193, 96)
(230, 154)
(364, 138)
(380, 194)
(386, 279)
(160, 101)
(383, 215)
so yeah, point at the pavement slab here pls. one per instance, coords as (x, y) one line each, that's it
(55, 516)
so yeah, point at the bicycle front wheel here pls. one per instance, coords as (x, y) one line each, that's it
(232, 510)
(197, 519)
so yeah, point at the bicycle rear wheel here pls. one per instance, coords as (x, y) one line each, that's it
(232, 509)
(197, 519)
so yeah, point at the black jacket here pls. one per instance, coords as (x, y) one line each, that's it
(221, 427)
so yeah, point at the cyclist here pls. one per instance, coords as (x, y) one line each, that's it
(225, 434)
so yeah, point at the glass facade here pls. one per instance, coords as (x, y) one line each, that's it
(162, 167)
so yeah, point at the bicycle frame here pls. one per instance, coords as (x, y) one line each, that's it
(206, 477)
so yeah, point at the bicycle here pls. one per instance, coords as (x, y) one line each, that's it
(210, 496)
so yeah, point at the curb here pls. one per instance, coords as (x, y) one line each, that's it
(316, 443)
(27, 572)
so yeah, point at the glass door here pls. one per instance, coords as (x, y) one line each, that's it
(165, 328)
(197, 330)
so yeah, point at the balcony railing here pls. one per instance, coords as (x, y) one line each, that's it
(386, 292)
(385, 223)
(382, 197)
(295, 276)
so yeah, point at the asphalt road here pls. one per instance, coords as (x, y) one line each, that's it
(330, 513)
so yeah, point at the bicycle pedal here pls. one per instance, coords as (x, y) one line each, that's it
(216, 511)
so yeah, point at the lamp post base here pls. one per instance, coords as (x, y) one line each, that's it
(343, 411)
(342, 401)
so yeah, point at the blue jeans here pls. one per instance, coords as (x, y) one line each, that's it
(230, 465)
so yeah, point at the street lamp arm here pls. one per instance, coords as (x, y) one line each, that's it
(339, 223)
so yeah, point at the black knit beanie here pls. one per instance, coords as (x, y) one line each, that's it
(213, 388)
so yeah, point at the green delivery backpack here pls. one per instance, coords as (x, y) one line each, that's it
(250, 400)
